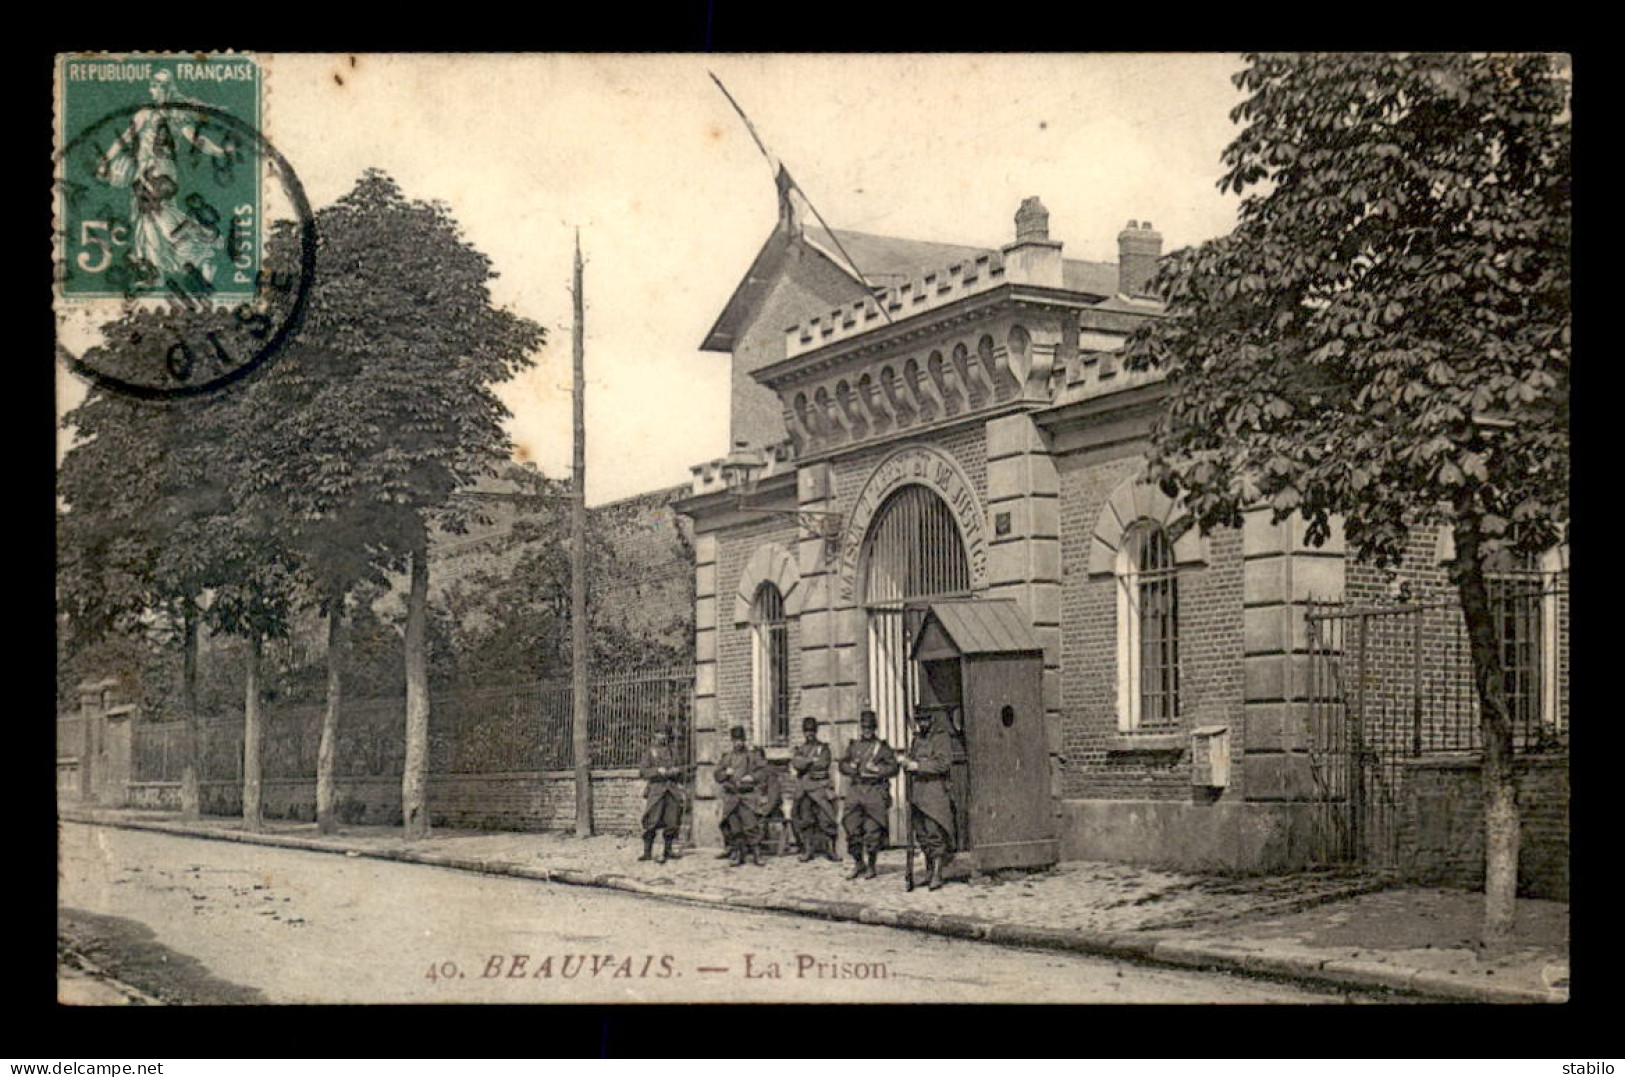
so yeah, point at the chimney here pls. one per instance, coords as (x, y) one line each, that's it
(1138, 248)
(1034, 258)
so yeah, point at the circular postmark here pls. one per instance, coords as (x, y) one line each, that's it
(169, 283)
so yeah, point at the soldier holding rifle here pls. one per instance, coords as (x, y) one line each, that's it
(930, 794)
(663, 795)
(869, 764)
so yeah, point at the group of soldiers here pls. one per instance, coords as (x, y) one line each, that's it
(752, 794)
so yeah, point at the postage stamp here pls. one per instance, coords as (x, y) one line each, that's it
(164, 183)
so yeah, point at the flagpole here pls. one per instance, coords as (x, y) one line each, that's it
(778, 167)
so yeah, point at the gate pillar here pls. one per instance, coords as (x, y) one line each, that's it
(1281, 575)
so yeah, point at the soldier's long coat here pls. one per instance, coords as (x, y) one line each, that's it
(747, 781)
(931, 786)
(809, 777)
(656, 810)
(870, 765)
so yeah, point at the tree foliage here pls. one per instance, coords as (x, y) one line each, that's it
(384, 401)
(511, 624)
(1385, 334)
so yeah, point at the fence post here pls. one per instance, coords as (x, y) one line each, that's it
(1357, 752)
(1416, 681)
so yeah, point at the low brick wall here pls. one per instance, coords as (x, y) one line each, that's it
(1441, 838)
(523, 800)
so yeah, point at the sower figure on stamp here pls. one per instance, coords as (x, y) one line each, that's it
(869, 763)
(930, 796)
(812, 796)
(663, 796)
(749, 792)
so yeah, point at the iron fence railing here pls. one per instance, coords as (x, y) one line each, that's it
(1387, 684)
(471, 732)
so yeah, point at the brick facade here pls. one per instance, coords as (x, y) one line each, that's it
(1028, 399)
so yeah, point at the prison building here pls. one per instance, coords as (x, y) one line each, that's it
(919, 428)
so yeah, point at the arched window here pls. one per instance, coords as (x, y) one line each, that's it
(770, 667)
(1147, 629)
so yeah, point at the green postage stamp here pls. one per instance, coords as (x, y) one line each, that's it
(184, 245)
(159, 186)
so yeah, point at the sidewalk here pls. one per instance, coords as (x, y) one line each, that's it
(1341, 928)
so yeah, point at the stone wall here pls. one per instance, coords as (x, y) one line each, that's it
(1442, 825)
(524, 801)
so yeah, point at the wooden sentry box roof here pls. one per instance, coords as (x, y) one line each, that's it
(973, 626)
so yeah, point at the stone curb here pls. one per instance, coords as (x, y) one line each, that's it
(1188, 953)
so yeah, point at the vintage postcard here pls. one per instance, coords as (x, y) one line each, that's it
(803, 528)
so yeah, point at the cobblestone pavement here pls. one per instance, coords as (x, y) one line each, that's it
(1346, 926)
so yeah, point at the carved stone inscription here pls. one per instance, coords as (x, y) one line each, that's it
(924, 466)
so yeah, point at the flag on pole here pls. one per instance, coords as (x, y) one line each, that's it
(792, 200)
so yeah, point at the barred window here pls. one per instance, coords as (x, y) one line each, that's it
(770, 667)
(1517, 589)
(1148, 629)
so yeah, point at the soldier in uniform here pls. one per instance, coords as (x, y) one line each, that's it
(930, 794)
(869, 764)
(812, 796)
(749, 792)
(663, 795)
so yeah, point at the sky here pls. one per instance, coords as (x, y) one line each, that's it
(673, 199)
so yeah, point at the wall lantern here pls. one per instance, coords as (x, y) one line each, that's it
(742, 470)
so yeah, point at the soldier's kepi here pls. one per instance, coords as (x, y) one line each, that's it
(869, 764)
(812, 796)
(663, 795)
(930, 794)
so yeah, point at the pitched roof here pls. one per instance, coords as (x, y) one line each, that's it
(887, 260)
(883, 261)
(983, 626)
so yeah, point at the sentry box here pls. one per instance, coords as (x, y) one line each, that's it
(981, 666)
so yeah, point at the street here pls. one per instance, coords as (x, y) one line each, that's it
(196, 921)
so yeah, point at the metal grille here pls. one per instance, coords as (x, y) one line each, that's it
(771, 666)
(1391, 683)
(913, 553)
(1156, 592)
(1515, 602)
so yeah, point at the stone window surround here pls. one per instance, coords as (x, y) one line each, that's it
(1135, 503)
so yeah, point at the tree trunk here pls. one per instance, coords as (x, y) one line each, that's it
(415, 773)
(328, 745)
(192, 733)
(253, 733)
(1500, 790)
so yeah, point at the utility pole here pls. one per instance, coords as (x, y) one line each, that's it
(578, 571)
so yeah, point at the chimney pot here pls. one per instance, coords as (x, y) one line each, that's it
(1032, 221)
(1138, 248)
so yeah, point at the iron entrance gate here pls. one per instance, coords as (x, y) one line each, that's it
(912, 553)
(1387, 684)
(1364, 707)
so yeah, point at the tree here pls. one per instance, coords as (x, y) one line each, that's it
(1385, 334)
(141, 541)
(389, 412)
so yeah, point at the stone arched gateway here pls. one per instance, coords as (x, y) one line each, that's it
(917, 533)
